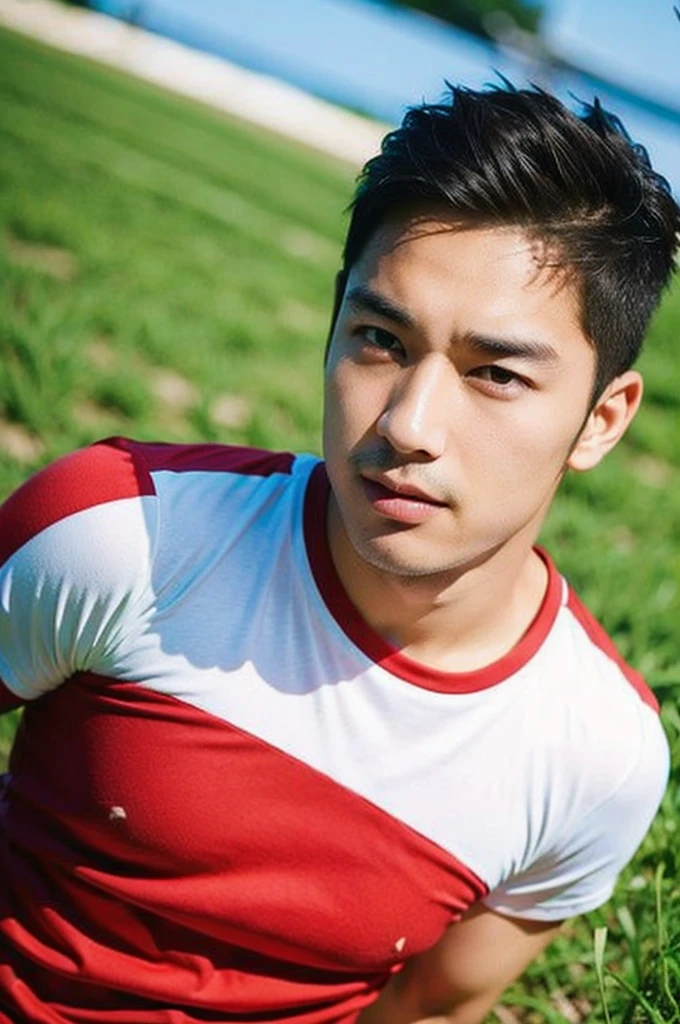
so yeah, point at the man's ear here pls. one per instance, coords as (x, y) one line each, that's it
(340, 285)
(608, 421)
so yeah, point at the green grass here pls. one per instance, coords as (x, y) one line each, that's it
(168, 273)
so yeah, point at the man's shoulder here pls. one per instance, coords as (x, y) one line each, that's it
(115, 469)
(100, 474)
(604, 648)
(603, 710)
(93, 544)
(589, 703)
(580, 640)
(207, 457)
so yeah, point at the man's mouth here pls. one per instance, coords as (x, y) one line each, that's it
(402, 502)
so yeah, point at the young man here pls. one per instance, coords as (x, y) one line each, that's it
(334, 741)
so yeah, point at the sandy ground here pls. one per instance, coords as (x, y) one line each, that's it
(256, 98)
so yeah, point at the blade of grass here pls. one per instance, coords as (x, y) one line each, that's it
(662, 942)
(599, 943)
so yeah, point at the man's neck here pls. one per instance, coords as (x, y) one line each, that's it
(459, 621)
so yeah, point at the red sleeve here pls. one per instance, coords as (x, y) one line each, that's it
(105, 472)
(91, 476)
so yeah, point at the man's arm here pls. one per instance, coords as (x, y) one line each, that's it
(460, 979)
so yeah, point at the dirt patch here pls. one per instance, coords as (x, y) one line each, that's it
(307, 246)
(47, 259)
(230, 411)
(299, 317)
(101, 353)
(506, 1016)
(622, 538)
(652, 471)
(173, 390)
(19, 443)
(569, 1010)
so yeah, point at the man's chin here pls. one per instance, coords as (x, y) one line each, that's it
(388, 548)
(396, 554)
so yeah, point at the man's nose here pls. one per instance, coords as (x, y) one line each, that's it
(415, 418)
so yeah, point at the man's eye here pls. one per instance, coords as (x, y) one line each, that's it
(497, 375)
(380, 338)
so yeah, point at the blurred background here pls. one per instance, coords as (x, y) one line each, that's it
(174, 176)
(378, 57)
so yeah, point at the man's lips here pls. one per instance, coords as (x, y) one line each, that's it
(401, 501)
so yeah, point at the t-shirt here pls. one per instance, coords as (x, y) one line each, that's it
(230, 800)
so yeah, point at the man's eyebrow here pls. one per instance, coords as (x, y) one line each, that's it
(521, 348)
(364, 299)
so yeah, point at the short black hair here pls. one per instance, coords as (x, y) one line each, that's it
(519, 157)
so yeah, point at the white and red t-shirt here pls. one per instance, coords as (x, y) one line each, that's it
(230, 800)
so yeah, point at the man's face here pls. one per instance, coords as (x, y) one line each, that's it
(457, 381)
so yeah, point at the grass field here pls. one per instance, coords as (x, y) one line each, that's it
(167, 274)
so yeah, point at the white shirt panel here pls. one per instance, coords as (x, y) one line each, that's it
(74, 595)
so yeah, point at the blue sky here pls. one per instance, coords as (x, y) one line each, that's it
(380, 58)
(637, 41)
(336, 42)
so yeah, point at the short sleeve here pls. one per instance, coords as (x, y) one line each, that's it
(579, 871)
(76, 548)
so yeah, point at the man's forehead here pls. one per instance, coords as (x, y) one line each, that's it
(398, 230)
(407, 223)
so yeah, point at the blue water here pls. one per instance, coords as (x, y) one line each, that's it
(379, 59)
